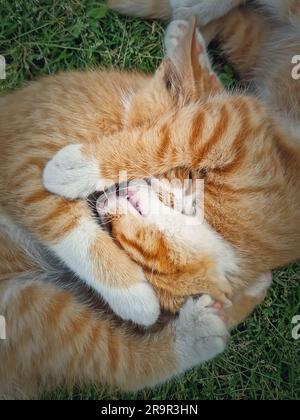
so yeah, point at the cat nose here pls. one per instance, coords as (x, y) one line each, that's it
(102, 203)
(129, 193)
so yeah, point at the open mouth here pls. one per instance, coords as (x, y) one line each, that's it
(120, 200)
(134, 202)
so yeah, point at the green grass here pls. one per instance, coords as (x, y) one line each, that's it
(43, 37)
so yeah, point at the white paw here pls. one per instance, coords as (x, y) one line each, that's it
(201, 333)
(205, 10)
(70, 174)
(138, 303)
(174, 34)
(261, 287)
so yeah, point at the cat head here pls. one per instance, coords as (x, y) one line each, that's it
(161, 228)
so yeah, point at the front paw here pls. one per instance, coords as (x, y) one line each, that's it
(259, 289)
(174, 34)
(71, 175)
(201, 333)
(137, 303)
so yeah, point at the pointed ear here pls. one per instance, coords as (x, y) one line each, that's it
(181, 70)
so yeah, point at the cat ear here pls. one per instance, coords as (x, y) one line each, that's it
(183, 69)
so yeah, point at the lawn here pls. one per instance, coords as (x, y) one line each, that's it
(43, 37)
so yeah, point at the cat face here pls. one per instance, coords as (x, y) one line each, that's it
(143, 213)
(162, 229)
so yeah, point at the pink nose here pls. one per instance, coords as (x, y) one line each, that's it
(129, 193)
(217, 305)
(102, 204)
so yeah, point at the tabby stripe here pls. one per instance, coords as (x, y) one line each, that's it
(36, 197)
(294, 7)
(165, 142)
(52, 228)
(113, 344)
(76, 326)
(20, 181)
(55, 309)
(197, 129)
(62, 208)
(218, 133)
(28, 299)
(231, 27)
(37, 162)
(246, 41)
(139, 248)
(92, 342)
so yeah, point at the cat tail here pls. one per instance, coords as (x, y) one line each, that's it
(151, 9)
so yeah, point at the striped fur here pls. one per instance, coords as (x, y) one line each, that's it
(238, 143)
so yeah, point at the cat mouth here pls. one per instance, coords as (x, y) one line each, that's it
(120, 201)
(135, 202)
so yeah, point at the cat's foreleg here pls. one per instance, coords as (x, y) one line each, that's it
(92, 254)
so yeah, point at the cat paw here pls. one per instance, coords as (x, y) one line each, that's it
(71, 175)
(205, 10)
(174, 34)
(201, 333)
(260, 289)
(137, 303)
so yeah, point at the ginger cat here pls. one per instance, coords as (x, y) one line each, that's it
(46, 116)
(245, 148)
(54, 337)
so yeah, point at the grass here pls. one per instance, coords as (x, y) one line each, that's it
(43, 37)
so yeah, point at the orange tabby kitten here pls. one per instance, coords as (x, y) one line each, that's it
(57, 339)
(243, 147)
(41, 118)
